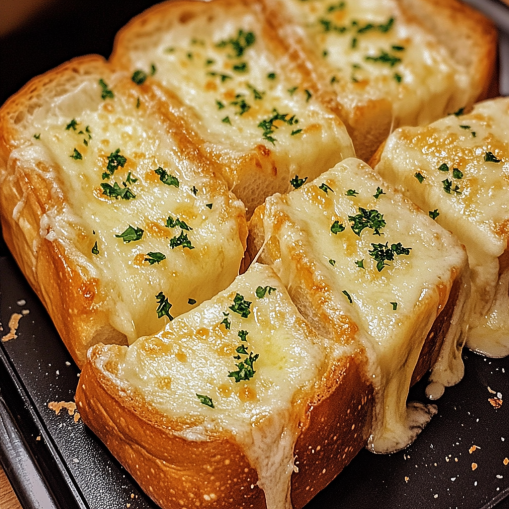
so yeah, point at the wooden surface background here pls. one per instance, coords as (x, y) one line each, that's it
(8, 499)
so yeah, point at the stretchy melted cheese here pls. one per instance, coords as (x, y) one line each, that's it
(152, 232)
(246, 99)
(372, 256)
(192, 373)
(462, 168)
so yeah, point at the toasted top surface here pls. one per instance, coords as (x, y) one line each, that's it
(139, 214)
(378, 49)
(463, 161)
(220, 60)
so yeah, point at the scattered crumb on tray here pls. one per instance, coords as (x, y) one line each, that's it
(13, 326)
(506, 461)
(473, 448)
(474, 466)
(70, 406)
(496, 402)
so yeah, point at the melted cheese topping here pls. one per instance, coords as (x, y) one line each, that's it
(195, 354)
(394, 305)
(79, 135)
(233, 76)
(372, 50)
(476, 208)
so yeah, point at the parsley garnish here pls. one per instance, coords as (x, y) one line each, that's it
(347, 296)
(269, 127)
(398, 77)
(353, 44)
(379, 192)
(95, 249)
(297, 182)
(181, 240)
(163, 308)
(384, 58)
(351, 192)
(360, 264)
(226, 321)
(394, 306)
(308, 95)
(382, 253)
(489, 157)
(71, 125)
(395, 47)
(226, 120)
(209, 61)
(106, 92)
(194, 190)
(332, 262)
(205, 400)
(443, 167)
(191, 301)
(465, 126)
(256, 94)
(167, 178)
(130, 234)
(239, 44)
(336, 7)
(76, 155)
(173, 223)
(292, 90)
(37, 136)
(420, 177)
(153, 69)
(367, 219)
(139, 77)
(242, 105)
(243, 335)
(245, 368)
(130, 179)
(242, 67)
(223, 77)
(262, 290)
(115, 191)
(137, 103)
(115, 161)
(385, 28)
(447, 184)
(271, 76)
(337, 227)
(296, 131)
(459, 112)
(209, 205)
(241, 305)
(457, 174)
(154, 257)
(434, 213)
(325, 188)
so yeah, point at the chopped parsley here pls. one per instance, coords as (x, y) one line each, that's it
(379, 192)
(360, 263)
(191, 301)
(296, 131)
(387, 26)
(205, 400)
(167, 178)
(336, 7)
(332, 262)
(396, 47)
(489, 157)
(383, 58)
(351, 192)
(258, 96)
(37, 136)
(173, 223)
(382, 253)
(95, 249)
(241, 305)
(194, 190)
(153, 69)
(457, 174)
(245, 369)
(308, 94)
(394, 306)
(398, 77)
(154, 257)
(241, 103)
(115, 161)
(353, 44)
(209, 61)
(130, 234)
(139, 77)
(448, 187)
(130, 179)
(344, 292)
(106, 93)
(181, 240)
(209, 205)
(420, 177)
(268, 125)
(223, 77)
(443, 167)
(434, 213)
(163, 308)
(243, 335)
(459, 112)
(325, 188)
(238, 44)
(367, 219)
(271, 76)
(226, 120)
(262, 290)
(115, 191)
(297, 182)
(226, 321)
(76, 155)
(71, 125)
(137, 103)
(241, 67)
(292, 90)
(337, 227)
(465, 126)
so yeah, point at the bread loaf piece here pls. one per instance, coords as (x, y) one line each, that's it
(349, 239)
(388, 63)
(456, 168)
(116, 219)
(235, 404)
(246, 102)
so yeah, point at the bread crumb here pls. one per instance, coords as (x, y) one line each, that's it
(21, 302)
(77, 417)
(70, 406)
(25, 312)
(132, 495)
(407, 479)
(13, 326)
(474, 466)
(491, 391)
(38, 438)
(496, 402)
(506, 461)
(473, 448)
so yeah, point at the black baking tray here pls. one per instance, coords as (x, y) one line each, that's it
(53, 462)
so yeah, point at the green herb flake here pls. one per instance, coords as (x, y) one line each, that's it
(489, 157)
(226, 120)
(71, 125)
(383, 58)
(220, 105)
(154, 257)
(223, 77)
(434, 213)
(241, 305)
(205, 400)
(76, 155)
(95, 249)
(226, 321)
(37, 136)
(262, 290)
(394, 305)
(181, 240)
(209, 61)
(325, 53)
(398, 77)
(257, 95)
(115, 191)
(194, 190)
(163, 308)
(336, 7)
(191, 302)
(243, 335)
(189, 56)
(344, 292)
(379, 192)
(241, 103)
(420, 177)
(173, 223)
(241, 67)
(271, 76)
(353, 43)
(443, 167)
(130, 179)
(360, 264)
(337, 227)
(268, 124)
(137, 103)
(209, 205)
(292, 90)
(457, 174)
(474, 134)
(297, 182)
(465, 126)
(115, 161)
(325, 188)
(106, 93)
(367, 219)
(153, 69)
(167, 178)
(296, 131)
(245, 369)
(382, 253)
(448, 187)
(351, 192)
(332, 262)
(139, 77)
(459, 112)
(130, 234)
(308, 94)
(396, 47)
(238, 44)
(384, 28)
